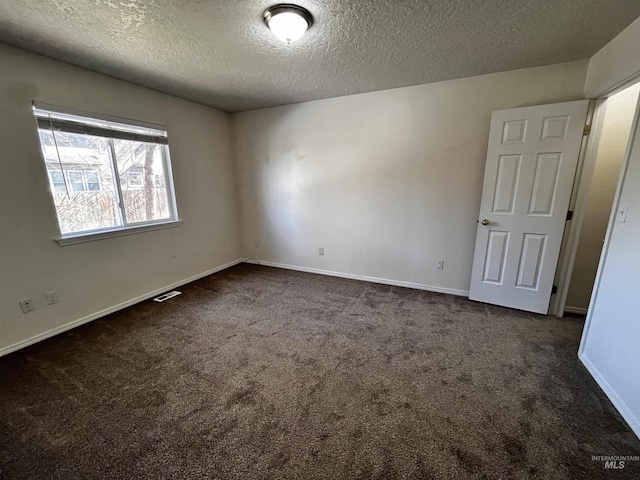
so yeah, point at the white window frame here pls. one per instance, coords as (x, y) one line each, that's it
(112, 127)
(132, 185)
(67, 183)
(53, 183)
(71, 183)
(85, 173)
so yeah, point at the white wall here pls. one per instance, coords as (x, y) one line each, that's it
(612, 145)
(387, 182)
(615, 63)
(95, 276)
(610, 345)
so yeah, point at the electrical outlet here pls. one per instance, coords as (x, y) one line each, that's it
(52, 297)
(26, 305)
(321, 251)
(257, 244)
(440, 265)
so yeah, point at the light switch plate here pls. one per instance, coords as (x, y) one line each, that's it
(622, 214)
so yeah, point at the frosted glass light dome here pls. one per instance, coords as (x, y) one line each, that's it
(288, 22)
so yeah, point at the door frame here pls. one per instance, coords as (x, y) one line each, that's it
(577, 204)
(580, 195)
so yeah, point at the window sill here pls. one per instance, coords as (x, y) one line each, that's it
(91, 237)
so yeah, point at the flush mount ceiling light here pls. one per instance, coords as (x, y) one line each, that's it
(288, 22)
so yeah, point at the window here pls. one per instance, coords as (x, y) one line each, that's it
(92, 180)
(79, 180)
(135, 180)
(105, 176)
(57, 181)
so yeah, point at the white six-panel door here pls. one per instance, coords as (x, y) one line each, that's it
(531, 163)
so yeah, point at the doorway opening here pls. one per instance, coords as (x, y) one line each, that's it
(610, 136)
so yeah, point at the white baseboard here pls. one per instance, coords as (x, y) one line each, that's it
(622, 408)
(581, 311)
(94, 316)
(384, 281)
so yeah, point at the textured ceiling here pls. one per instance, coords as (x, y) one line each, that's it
(218, 52)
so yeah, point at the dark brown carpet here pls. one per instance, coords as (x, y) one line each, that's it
(261, 373)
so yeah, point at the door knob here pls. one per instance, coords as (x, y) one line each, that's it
(485, 222)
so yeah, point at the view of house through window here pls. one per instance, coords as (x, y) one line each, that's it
(105, 175)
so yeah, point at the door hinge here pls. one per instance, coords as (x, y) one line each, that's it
(554, 290)
(587, 130)
(569, 215)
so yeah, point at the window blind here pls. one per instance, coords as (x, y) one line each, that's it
(63, 122)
